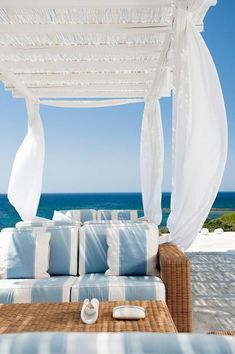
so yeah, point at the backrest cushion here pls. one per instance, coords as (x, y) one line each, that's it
(117, 214)
(80, 215)
(63, 248)
(132, 250)
(114, 222)
(45, 223)
(24, 253)
(93, 249)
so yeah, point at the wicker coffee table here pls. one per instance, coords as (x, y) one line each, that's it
(65, 317)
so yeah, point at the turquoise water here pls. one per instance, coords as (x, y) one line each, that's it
(224, 202)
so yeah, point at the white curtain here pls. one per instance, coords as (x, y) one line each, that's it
(199, 134)
(152, 143)
(26, 177)
(90, 103)
(151, 161)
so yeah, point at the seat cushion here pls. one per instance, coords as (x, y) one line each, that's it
(24, 253)
(113, 288)
(80, 215)
(63, 248)
(54, 289)
(117, 214)
(115, 343)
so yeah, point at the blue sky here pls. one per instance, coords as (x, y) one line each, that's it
(97, 150)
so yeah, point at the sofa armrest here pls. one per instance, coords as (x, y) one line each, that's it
(174, 268)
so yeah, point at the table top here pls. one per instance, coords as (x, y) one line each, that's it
(65, 317)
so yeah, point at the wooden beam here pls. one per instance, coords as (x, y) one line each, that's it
(84, 51)
(35, 29)
(8, 75)
(84, 94)
(82, 66)
(84, 78)
(86, 87)
(82, 3)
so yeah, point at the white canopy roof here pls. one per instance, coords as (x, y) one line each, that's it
(86, 48)
(126, 50)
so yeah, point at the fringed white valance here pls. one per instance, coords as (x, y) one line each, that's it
(199, 133)
(88, 103)
(26, 177)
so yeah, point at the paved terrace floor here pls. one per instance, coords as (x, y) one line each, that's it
(213, 282)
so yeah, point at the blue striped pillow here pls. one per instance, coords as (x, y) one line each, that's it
(63, 247)
(132, 250)
(80, 215)
(114, 222)
(117, 215)
(24, 253)
(93, 249)
(45, 223)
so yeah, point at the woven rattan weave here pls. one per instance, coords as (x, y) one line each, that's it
(223, 333)
(66, 317)
(174, 268)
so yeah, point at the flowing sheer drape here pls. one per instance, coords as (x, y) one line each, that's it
(152, 143)
(151, 161)
(90, 103)
(26, 177)
(199, 134)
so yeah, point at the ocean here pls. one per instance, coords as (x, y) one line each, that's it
(225, 202)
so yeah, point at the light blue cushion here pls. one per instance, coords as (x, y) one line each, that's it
(117, 288)
(53, 289)
(117, 215)
(26, 224)
(132, 250)
(115, 343)
(24, 253)
(114, 222)
(63, 248)
(93, 249)
(80, 215)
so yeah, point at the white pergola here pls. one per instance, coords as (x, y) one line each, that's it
(113, 52)
(86, 48)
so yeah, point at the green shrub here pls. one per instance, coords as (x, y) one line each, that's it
(164, 230)
(218, 223)
(228, 217)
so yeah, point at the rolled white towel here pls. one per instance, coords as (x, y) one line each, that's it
(90, 311)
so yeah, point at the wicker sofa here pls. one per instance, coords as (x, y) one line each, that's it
(174, 277)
